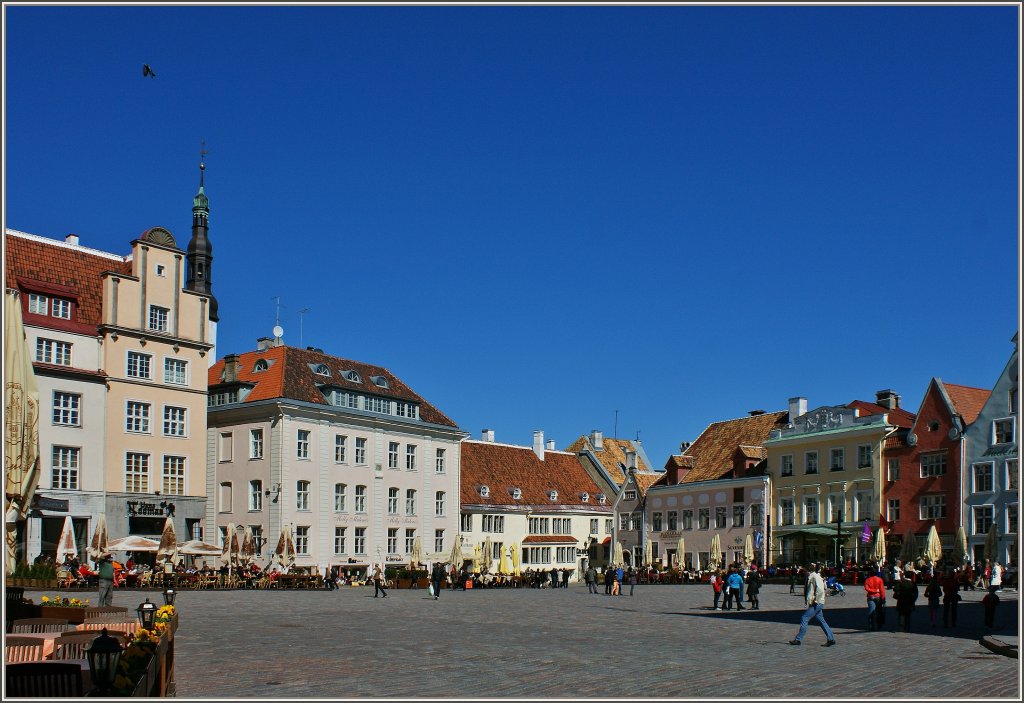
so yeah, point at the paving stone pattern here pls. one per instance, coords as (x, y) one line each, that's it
(525, 643)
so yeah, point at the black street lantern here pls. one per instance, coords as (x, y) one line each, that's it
(103, 655)
(147, 614)
(169, 594)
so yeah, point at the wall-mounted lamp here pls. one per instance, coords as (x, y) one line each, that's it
(276, 490)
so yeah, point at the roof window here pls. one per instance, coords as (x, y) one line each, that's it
(485, 491)
(517, 493)
(352, 376)
(380, 381)
(321, 370)
(553, 495)
(585, 497)
(601, 499)
(261, 365)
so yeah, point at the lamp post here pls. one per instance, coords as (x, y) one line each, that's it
(169, 594)
(103, 655)
(147, 614)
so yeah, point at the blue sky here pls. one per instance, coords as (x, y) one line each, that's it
(539, 216)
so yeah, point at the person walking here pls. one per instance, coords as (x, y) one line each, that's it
(995, 582)
(436, 577)
(609, 577)
(620, 578)
(793, 575)
(105, 574)
(378, 581)
(735, 583)
(814, 596)
(905, 592)
(753, 587)
(934, 595)
(874, 589)
(950, 596)
(565, 578)
(716, 585)
(631, 577)
(590, 576)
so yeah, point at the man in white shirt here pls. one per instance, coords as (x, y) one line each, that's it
(996, 581)
(814, 595)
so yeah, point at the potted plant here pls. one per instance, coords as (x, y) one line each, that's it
(70, 609)
(403, 578)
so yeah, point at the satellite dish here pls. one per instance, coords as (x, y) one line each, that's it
(278, 331)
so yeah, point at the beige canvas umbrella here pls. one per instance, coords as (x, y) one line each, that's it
(230, 547)
(290, 546)
(99, 538)
(486, 555)
(878, 553)
(648, 553)
(961, 553)
(248, 547)
(617, 554)
(933, 546)
(476, 558)
(21, 426)
(66, 548)
(681, 552)
(168, 548)
(416, 555)
(195, 547)
(503, 561)
(715, 554)
(908, 550)
(748, 549)
(514, 549)
(992, 543)
(133, 543)
(456, 557)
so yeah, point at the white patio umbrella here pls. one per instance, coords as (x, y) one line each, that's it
(748, 549)
(514, 550)
(456, 557)
(133, 543)
(168, 548)
(933, 547)
(66, 547)
(617, 559)
(503, 561)
(681, 553)
(648, 553)
(230, 547)
(248, 547)
(416, 555)
(99, 538)
(476, 559)
(486, 555)
(878, 553)
(960, 551)
(715, 554)
(195, 547)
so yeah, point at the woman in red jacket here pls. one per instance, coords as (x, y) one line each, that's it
(874, 589)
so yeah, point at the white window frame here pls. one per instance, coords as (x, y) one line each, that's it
(929, 506)
(255, 496)
(807, 463)
(439, 504)
(360, 458)
(860, 500)
(410, 457)
(174, 369)
(976, 512)
(340, 448)
(60, 308)
(892, 510)
(53, 351)
(786, 465)
(175, 426)
(339, 540)
(340, 497)
(302, 438)
(410, 501)
(66, 409)
(1013, 429)
(359, 541)
(359, 499)
(136, 472)
(892, 469)
(787, 507)
(932, 470)
(439, 540)
(439, 460)
(393, 448)
(138, 365)
(302, 540)
(811, 501)
(65, 465)
(990, 468)
(173, 475)
(158, 318)
(393, 500)
(865, 452)
(255, 442)
(38, 304)
(835, 453)
(302, 495)
(1011, 479)
(137, 418)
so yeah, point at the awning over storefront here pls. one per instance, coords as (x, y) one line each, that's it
(816, 530)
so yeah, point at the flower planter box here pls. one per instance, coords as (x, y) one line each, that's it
(72, 615)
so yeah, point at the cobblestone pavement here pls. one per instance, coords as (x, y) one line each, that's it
(663, 642)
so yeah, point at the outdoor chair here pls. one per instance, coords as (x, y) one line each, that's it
(40, 625)
(75, 646)
(106, 613)
(65, 579)
(122, 624)
(44, 680)
(23, 649)
(93, 634)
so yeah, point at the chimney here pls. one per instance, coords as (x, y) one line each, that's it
(597, 440)
(887, 399)
(487, 435)
(630, 459)
(683, 446)
(231, 367)
(264, 343)
(551, 445)
(797, 407)
(753, 413)
(538, 444)
(71, 239)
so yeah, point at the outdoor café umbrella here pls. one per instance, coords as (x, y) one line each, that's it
(503, 561)
(648, 553)
(681, 552)
(230, 546)
(933, 547)
(290, 546)
(992, 543)
(456, 557)
(66, 544)
(194, 547)
(133, 543)
(715, 555)
(879, 551)
(21, 426)
(617, 553)
(487, 555)
(248, 548)
(908, 551)
(960, 545)
(168, 548)
(416, 555)
(748, 549)
(99, 538)
(476, 558)
(514, 549)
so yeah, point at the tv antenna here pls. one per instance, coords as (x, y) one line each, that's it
(615, 432)
(278, 330)
(302, 312)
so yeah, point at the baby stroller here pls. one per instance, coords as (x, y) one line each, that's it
(834, 587)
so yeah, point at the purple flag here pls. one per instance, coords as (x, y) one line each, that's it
(865, 536)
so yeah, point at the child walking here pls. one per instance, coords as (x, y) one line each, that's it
(934, 595)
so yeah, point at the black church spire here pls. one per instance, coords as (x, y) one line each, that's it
(199, 257)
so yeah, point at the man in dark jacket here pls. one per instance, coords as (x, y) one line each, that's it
(436, 577)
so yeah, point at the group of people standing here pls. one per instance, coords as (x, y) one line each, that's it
(729, 583)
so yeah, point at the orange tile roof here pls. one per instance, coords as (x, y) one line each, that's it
(896, 416)
(504, 467)
(967, 400)
(290, 376)
(51, 262)
(612, 456)
(549, 539)
(714, 452)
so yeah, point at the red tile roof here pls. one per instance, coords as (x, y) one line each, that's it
(897, 416)
(503, 467)
(612, 456)
(714, 453)
(31, 259)
(290, 376)
(549, 539)
(967, 401)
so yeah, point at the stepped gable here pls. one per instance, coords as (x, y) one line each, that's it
(290, 376)
(504, 467)
(714, 452)
(30, 258)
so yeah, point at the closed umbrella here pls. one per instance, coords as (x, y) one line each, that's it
(21, 426)
(476, 559)
(168, 548)
(648, 553)
(248, 547)
(487, 555)
(748, 549)
(878, 553)
(416, 555)
(503, 561)
(230, 546)
(992, 543)
(960, 545)
(715, 554)
(514, 549)
(617, 554)
(456, 557)
(681, 552)
(66, 548)
(908, 550)
(933, 547)
(99, 538)
(289, 552)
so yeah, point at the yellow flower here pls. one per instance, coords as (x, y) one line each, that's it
(46, 599)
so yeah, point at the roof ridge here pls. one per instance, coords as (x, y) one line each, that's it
(64, 245)
(516, 446)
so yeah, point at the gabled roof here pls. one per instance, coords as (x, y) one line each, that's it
(967, 400)
(289, 375)
(505, 467)
(896, 416)
(30, 258)
(714, 452)
(612, 456)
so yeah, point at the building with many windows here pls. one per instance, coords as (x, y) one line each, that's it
(540, 502)
(992, 480)
(342, 453)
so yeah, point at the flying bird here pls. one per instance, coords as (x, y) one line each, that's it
(147, 71)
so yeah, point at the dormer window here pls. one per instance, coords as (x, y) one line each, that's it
(553, 495)
(517, 493)
(585, 497)
(261, 365)
(601, 499)
(322, 370)
(352, 376)
(485, 491)
(380, 381)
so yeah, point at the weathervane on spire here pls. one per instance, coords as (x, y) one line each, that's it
(202, 158)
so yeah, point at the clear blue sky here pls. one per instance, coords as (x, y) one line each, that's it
(537, 216)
